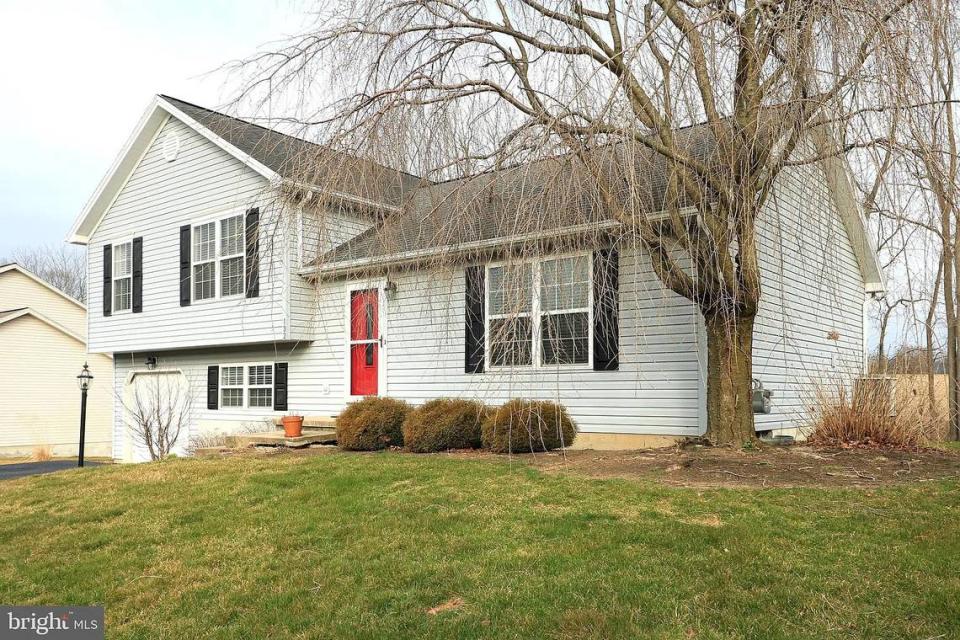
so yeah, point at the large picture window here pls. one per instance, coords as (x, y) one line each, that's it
(539, 312)
(246, 385)
(122, 276)
(218, 258)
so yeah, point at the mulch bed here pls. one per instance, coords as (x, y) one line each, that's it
(796, 466)
(706, 466)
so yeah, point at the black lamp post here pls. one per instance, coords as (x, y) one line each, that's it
(84, 380)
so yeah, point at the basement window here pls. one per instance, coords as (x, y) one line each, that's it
(246, 385)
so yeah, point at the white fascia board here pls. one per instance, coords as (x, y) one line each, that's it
(840, 182)
(347, 266)
(123, 165)
(132, 153)
(245, 158)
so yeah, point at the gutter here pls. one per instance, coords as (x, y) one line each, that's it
(337, 195)
(396, 259)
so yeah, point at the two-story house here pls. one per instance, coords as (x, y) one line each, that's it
(212, 262)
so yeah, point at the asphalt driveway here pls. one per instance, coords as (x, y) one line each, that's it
(19, 470)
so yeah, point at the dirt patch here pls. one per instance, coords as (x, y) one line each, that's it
(699, 466)
(450, 605)
(771, 467)
(797, 466)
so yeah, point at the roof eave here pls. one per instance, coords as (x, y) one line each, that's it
(840, 183)
(345, 267)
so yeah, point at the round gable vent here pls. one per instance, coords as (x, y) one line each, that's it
(171, 147)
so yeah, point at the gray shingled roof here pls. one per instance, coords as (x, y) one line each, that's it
(550, 195)
(304, 161)
(536, 198)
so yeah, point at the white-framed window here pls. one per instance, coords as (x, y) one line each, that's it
(218, 258)
(539, 312)
(231, 385)
(246, 385)
(260, 385)
(122, 276)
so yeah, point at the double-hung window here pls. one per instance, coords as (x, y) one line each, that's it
(218, 258)
(260, 385)
(539, 312)
(565, 310)
(122, 276)
(231, 385)
(246, 385)
(510, 324)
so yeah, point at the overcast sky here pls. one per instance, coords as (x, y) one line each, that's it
(77, 75)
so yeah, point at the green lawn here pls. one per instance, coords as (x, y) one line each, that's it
(353, 545)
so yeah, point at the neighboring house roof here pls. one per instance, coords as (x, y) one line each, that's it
(278, 157)
(13, 266)
(12, 314)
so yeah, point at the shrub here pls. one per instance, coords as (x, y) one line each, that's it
(870, 416)
(444, 424)
(372, 424)
(522, 426)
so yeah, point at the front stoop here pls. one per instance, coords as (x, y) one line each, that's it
(278, 439)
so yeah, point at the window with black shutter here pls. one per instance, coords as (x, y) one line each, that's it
(474, 343)
(606, 309)
(107, 280)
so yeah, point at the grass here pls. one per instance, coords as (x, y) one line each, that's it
(363, 545)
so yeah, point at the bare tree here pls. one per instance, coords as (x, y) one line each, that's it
(61, 265)
(158, 407)
(673, 118)
(931, 139)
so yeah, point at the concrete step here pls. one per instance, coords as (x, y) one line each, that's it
(278, 439)
(316, 422)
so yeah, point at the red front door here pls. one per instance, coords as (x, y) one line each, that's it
(364, 342)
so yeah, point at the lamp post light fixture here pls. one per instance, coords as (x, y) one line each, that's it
(84, 380)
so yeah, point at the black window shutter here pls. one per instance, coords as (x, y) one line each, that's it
(253, 253)
(474, 346)
(185, 266)
(606, 311)
(137, 305)
(213, 386)
(280, 386)
(107, 279)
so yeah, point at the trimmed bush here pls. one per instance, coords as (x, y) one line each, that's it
(372, 424)
(522, 426)
(444, 424)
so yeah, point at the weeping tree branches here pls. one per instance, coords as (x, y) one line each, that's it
(673, 118)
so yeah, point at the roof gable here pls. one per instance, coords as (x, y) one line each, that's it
(14, 314)
(274, 155)
(13, 266)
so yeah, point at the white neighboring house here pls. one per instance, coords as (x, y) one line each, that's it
(43, 339)
(222, 294)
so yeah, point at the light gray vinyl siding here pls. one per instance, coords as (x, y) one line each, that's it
(655, 391)
(203, 182)
(319, 229)
(813, 292)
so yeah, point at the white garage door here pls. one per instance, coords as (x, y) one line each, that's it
(157, 410)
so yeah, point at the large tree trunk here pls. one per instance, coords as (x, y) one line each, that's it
(730, 379)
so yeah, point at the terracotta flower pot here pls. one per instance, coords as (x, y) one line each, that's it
(292, 426)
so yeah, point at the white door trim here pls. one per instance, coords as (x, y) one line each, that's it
(366, 285)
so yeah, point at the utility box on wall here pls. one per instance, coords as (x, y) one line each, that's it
(761, 397)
